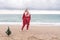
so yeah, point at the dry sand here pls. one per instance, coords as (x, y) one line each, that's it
(40, 32)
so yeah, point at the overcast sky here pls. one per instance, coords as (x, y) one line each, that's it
(31, 4)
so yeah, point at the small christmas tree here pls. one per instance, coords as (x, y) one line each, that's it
(8, 32)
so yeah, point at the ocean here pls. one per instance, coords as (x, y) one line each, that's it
(41, 18)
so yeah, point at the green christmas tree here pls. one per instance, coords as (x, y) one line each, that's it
(8, 32)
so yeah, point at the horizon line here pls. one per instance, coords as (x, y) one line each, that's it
(31, 12)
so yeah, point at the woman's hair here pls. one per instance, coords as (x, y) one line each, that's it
(26, 10)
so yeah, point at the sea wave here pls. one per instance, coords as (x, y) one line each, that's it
(31, 23)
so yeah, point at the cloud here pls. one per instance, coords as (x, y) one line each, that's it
(45, 4)
(11, 4)
(31, 4)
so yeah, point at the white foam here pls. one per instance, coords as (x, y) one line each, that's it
(11, 23)
(32, 23)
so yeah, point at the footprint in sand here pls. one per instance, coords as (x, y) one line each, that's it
(33, 38)
(54, 38)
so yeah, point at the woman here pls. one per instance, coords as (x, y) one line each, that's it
(26, 19)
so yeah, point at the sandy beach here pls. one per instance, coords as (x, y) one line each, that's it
(41, 32)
